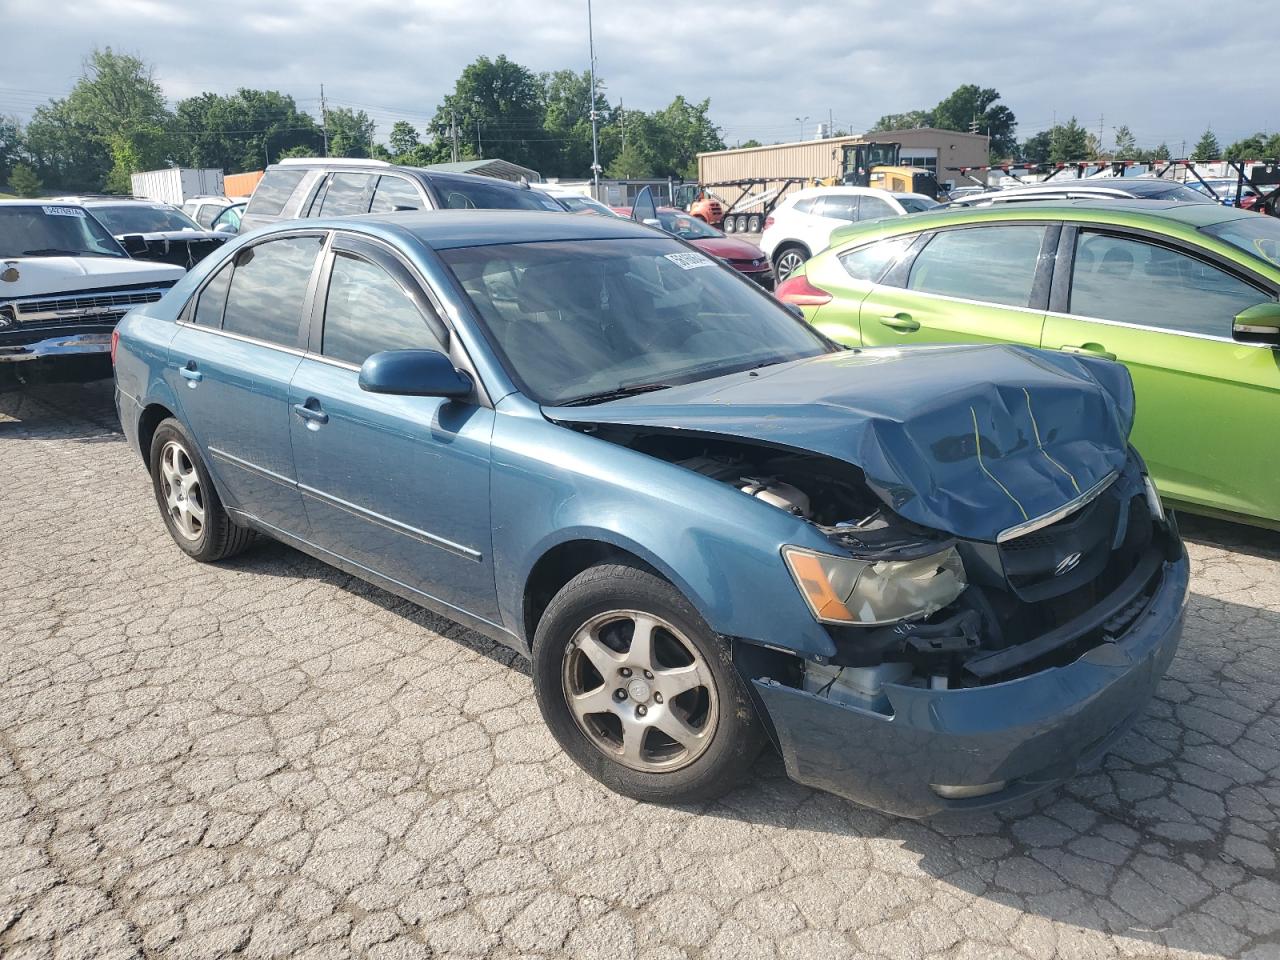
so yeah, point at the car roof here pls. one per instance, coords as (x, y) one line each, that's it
(837, 189)
(448, 229)
(353, 165)
(1193, 215)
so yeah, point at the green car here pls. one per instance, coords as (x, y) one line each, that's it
(1185, 295)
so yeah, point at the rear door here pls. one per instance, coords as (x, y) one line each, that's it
(397, 485)
(1207, 406)
(983, 283)
(232, 360)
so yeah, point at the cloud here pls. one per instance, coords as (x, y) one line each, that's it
(1167, 73)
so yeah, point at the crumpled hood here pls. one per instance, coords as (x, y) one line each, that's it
(38, 276)
(970, 440)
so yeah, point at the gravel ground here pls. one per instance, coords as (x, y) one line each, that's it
(269, 758)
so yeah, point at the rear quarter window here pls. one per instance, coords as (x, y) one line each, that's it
(273, 192)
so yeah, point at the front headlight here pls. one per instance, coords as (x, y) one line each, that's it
(873, 592)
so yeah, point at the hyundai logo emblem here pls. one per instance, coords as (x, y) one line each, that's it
(1067, 564)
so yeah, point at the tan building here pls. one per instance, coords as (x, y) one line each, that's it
(937, 150)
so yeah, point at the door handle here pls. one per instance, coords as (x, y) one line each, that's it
(1089, 350)
(311, 412)
(189, 372)
(902, 322)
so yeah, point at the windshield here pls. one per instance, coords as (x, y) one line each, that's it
(54, 230)
(582, 317)
(1255, 234)
(476, 194)
(124, 218)
(686, 227)
(917, 204)
(1175, 191)
(586, 205)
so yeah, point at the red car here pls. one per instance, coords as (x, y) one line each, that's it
(744, 257)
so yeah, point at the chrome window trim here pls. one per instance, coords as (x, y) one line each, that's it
(242, 338)
(1149, 329)
(1053, 516)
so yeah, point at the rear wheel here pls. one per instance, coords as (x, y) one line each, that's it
(730, 225)
(753, 223)
(639, 691)
(190, 506)
(788, 260)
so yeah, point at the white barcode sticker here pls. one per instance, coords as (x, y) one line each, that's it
(689, 261)
(64, 211)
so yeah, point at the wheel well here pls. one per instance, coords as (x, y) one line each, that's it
(152, 417)
(561, 564)
(791, 245)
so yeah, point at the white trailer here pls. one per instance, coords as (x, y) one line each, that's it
(176, 185)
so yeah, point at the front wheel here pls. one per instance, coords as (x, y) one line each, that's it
(639, 691)
(788, 261)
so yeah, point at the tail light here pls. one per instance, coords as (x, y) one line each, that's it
(115, 342)
(801, 292)
(768, 222)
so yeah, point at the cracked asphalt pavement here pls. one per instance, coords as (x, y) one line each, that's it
(270, 758)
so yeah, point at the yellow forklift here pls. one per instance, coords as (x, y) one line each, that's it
(874, 164)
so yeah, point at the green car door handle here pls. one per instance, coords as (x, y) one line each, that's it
(902, 322)
(1089, 350)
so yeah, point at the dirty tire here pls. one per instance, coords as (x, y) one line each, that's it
(219, 537)
(738, 735)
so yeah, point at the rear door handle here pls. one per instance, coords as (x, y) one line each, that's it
(1089, 350)
(311, 412)
(189, 372)
(901, 321)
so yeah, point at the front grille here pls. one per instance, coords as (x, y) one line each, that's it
(1059, 558)
(87, 304)
(90, 306)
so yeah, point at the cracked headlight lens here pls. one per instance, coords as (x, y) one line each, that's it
(874, 592)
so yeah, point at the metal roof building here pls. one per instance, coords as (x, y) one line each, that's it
(498, 169)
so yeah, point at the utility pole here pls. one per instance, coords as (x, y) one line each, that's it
(453, 133)
(324, 121)
(479, 152)
(595, 132)
(622, 117)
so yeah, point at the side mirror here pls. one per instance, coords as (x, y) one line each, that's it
(133, 244)
(653, 222)
(1258, 324)
(226, 227)
(413, 373)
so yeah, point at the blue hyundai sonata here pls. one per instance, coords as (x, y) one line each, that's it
(933, 578)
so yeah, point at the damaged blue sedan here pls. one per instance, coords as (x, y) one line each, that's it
(933, 579)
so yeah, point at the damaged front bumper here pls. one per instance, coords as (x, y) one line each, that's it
(1004, 741)
(65, 358)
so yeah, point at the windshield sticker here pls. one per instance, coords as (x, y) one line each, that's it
(64, 211)
(689, 261)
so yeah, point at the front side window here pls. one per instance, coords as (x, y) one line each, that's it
(345, 195)
(989, 264)
(395, 193)
(871, 262)
(268, 288)
(1131, 281)
(273, 191)
(475, 194)
(213, 298)
(205, 214)
(577, 319)
(917, 204)
(873, 208)
(841, 207)
(367, 312)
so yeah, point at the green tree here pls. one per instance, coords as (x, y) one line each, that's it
(403, 139)
(243, 131)
(1068, 142)
(24, 182)
(11, 145)
(630, 164)
(567, 121)
(904, 121)
(1207, 148)
(749, 143)
(1126, 143)
(1161, 152)
(506, 100)
(1037, 148)
(118, 98)
(1257, 147)
(970, 106)
(350, 132)
(66, 153)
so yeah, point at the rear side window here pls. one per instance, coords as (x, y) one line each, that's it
(989, 264)
(841, 206)
(1118, 278)
(213, 298)
(395, 193)
(204, 214)
(345, 195)
(870, 263)
(367, 311)
(806, 204)
(273, 191)
(873, 208)
(268, 288)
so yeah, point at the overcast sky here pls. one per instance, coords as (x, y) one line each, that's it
(1168, 71)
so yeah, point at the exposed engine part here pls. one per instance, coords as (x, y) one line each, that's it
(772, 491)
(855, 686)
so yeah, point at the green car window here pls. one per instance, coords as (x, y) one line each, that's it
(1131, 281)
(870, 263)
(994, 264)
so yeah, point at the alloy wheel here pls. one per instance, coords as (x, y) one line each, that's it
(183, 494)
(789, 263)
(640, 691)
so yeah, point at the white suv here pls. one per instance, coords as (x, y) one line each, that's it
(802, 224)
